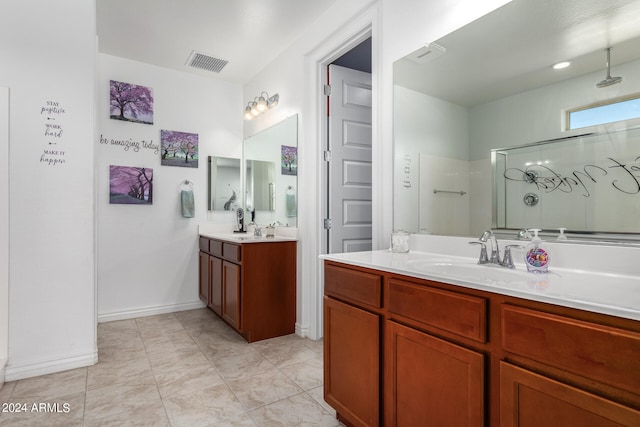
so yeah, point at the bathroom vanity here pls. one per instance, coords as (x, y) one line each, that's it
(414, 339)
(250, 282)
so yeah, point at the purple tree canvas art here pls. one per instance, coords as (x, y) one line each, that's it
(130, 185)
(289, 160)
(131, 102)
(178, 149)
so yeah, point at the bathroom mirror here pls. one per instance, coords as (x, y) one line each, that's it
(224, 184)
(271, 168)
(490, 86)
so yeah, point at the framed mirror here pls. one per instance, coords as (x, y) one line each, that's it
(490, 86)
(224, 190)
(270, 167)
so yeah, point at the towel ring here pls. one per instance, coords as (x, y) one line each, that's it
(186, 182)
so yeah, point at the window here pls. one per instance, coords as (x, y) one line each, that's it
(611, 111)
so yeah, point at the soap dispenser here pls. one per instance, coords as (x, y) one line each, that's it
(536, 256)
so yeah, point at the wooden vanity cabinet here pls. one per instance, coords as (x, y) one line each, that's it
(352, 329)
(230, 294)
(251, 286)
(215, 284)
(427, 378)
(203, 291)
(455, 356)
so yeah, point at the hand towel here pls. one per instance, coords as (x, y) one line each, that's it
(290, 199)
(188, 205)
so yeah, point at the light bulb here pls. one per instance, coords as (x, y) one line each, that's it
(254, 108)
(262, 104)
(247, 113)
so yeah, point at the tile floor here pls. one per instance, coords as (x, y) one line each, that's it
(179, 369)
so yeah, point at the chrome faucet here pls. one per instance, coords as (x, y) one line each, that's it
(495, 250)
(488, 236)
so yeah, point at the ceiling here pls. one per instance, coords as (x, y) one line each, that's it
(248, 34)
(511, 50)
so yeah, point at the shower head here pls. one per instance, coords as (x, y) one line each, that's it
(609, 81)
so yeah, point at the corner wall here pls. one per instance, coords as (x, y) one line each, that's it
(48, 62)
(148, 254)
(4, 230)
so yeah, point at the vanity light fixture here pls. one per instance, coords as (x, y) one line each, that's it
(260, 104)
(561, 65)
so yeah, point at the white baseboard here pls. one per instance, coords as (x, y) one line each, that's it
(148, 311)
(13, 373)
(302, 330)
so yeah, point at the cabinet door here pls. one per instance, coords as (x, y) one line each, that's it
(204, 277)
(431, 381)
(231, 294)
(352, 362)
(528, 399)
(215, 293)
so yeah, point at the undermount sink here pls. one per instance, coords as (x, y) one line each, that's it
(468, 270)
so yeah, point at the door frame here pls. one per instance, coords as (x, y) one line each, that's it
(356, 30)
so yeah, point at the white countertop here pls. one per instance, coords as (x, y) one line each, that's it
(225, 232)
(246, 237)
(599, 292)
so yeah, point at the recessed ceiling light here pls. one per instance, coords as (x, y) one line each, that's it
(561, 65)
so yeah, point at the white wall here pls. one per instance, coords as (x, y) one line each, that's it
(4, 230)
(431, 148)
(148, 255)
(49, 56)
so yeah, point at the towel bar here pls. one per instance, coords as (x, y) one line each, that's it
(462, 193)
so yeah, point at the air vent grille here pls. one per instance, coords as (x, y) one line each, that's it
(206, 62)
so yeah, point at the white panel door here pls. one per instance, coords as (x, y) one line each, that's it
(349, 176)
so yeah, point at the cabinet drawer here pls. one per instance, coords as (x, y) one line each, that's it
(602, 353)
(231, 252)
(352, 285)
(448, 311)
(215, 247)
(204, 244)
(530, 399)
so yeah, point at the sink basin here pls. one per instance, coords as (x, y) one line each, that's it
(467, 270)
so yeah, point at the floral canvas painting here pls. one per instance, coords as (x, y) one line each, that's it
(289, 160)
(130, 185)
(131, 103)
(178, 149)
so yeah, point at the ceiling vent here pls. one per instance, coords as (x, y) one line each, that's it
(206, 62)
(427, 53)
